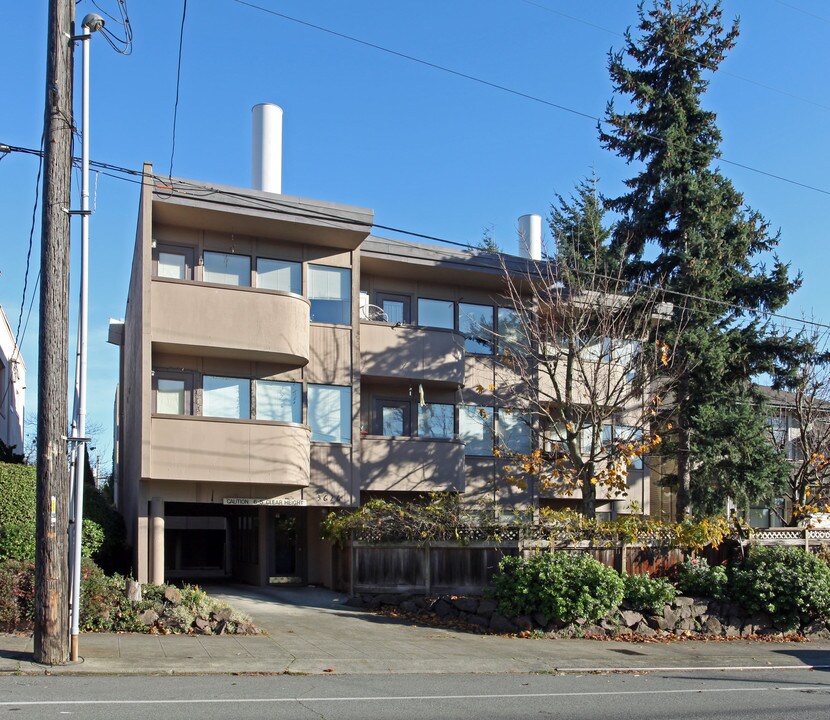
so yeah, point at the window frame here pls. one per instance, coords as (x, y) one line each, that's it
(406, 300)
(295, 263)
(348, 302)
(189, 384)
(226, 377)
(486, 423)
(292, 385)
(453, 435)
(187, 251)
(467, 339)
(207, 252)
(383, 402)
(452, 308)
(346, 439)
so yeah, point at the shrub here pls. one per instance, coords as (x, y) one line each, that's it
(648, 594)
(17, 512)
(17, 595)
(787, 582)
(696, 577)
(561, 586)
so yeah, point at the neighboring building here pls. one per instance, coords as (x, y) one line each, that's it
(12, 388)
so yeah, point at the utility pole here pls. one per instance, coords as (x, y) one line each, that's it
(51, 631)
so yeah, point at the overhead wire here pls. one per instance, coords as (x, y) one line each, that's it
(722, 71)
(193, 189)
(512, 91)
(178, 83)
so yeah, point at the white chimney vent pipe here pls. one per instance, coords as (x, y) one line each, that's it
(530, 237)
(266, 152)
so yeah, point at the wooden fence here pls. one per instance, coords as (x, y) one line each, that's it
(468, 567)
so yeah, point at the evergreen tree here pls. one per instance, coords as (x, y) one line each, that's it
(686, 229)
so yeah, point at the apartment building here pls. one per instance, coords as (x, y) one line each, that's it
(277, 362)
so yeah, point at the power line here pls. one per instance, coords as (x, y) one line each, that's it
(742, 78)
(192, 189)
(178, 82)
(504, 88)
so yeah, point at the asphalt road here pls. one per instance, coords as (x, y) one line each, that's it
(687, 695)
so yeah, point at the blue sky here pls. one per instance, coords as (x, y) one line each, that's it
(429, 151)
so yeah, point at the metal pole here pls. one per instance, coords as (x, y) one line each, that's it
(83, 312)
(51, 577)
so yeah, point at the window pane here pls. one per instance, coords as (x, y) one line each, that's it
(436, 313)
(514, 431)
(279, 275)
(392, 420)
(394, 311)
(330, 413)
(172, 265)
(476, 322)
(170, 396)
(511, 335)
(436, 420)
(475, 427)
(282, 401)
(330, 293)
(226, 397)
(227, 269)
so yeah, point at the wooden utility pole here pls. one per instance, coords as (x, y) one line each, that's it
(51, 641)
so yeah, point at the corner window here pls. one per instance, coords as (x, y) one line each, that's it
(330, 294)
(330, 413)
(174, 262)
(227, 269)
(476, 324)
(436, 313)
(475, 428)
(279, 275)
(280, 401)
(226, 397)
(436, 420)
(172, 392)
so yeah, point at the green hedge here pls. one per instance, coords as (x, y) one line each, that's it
(17, 512)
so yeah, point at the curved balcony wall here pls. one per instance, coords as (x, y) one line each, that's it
(202, 449)
(218, 321)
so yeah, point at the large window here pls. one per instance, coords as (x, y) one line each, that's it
(227, 269)
(476, 323)
(279, 275)
(436, 420)
(475, 428)
(330, 413)
(330, 293)
(514, 431)
(436, 313)
(226, 397)
(280, 401)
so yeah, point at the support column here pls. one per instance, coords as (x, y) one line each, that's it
(157, 540)
(142, 548)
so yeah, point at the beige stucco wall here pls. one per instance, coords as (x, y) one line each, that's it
(411, 464)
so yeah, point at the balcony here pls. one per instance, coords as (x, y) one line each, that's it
(216, 321)
(201, 449)
(411, 352)
(411, 464)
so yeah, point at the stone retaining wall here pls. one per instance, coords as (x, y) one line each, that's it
(685, 617)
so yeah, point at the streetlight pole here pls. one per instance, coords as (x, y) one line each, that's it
(90, 24)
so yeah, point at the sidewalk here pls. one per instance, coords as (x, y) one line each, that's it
(311, 631)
